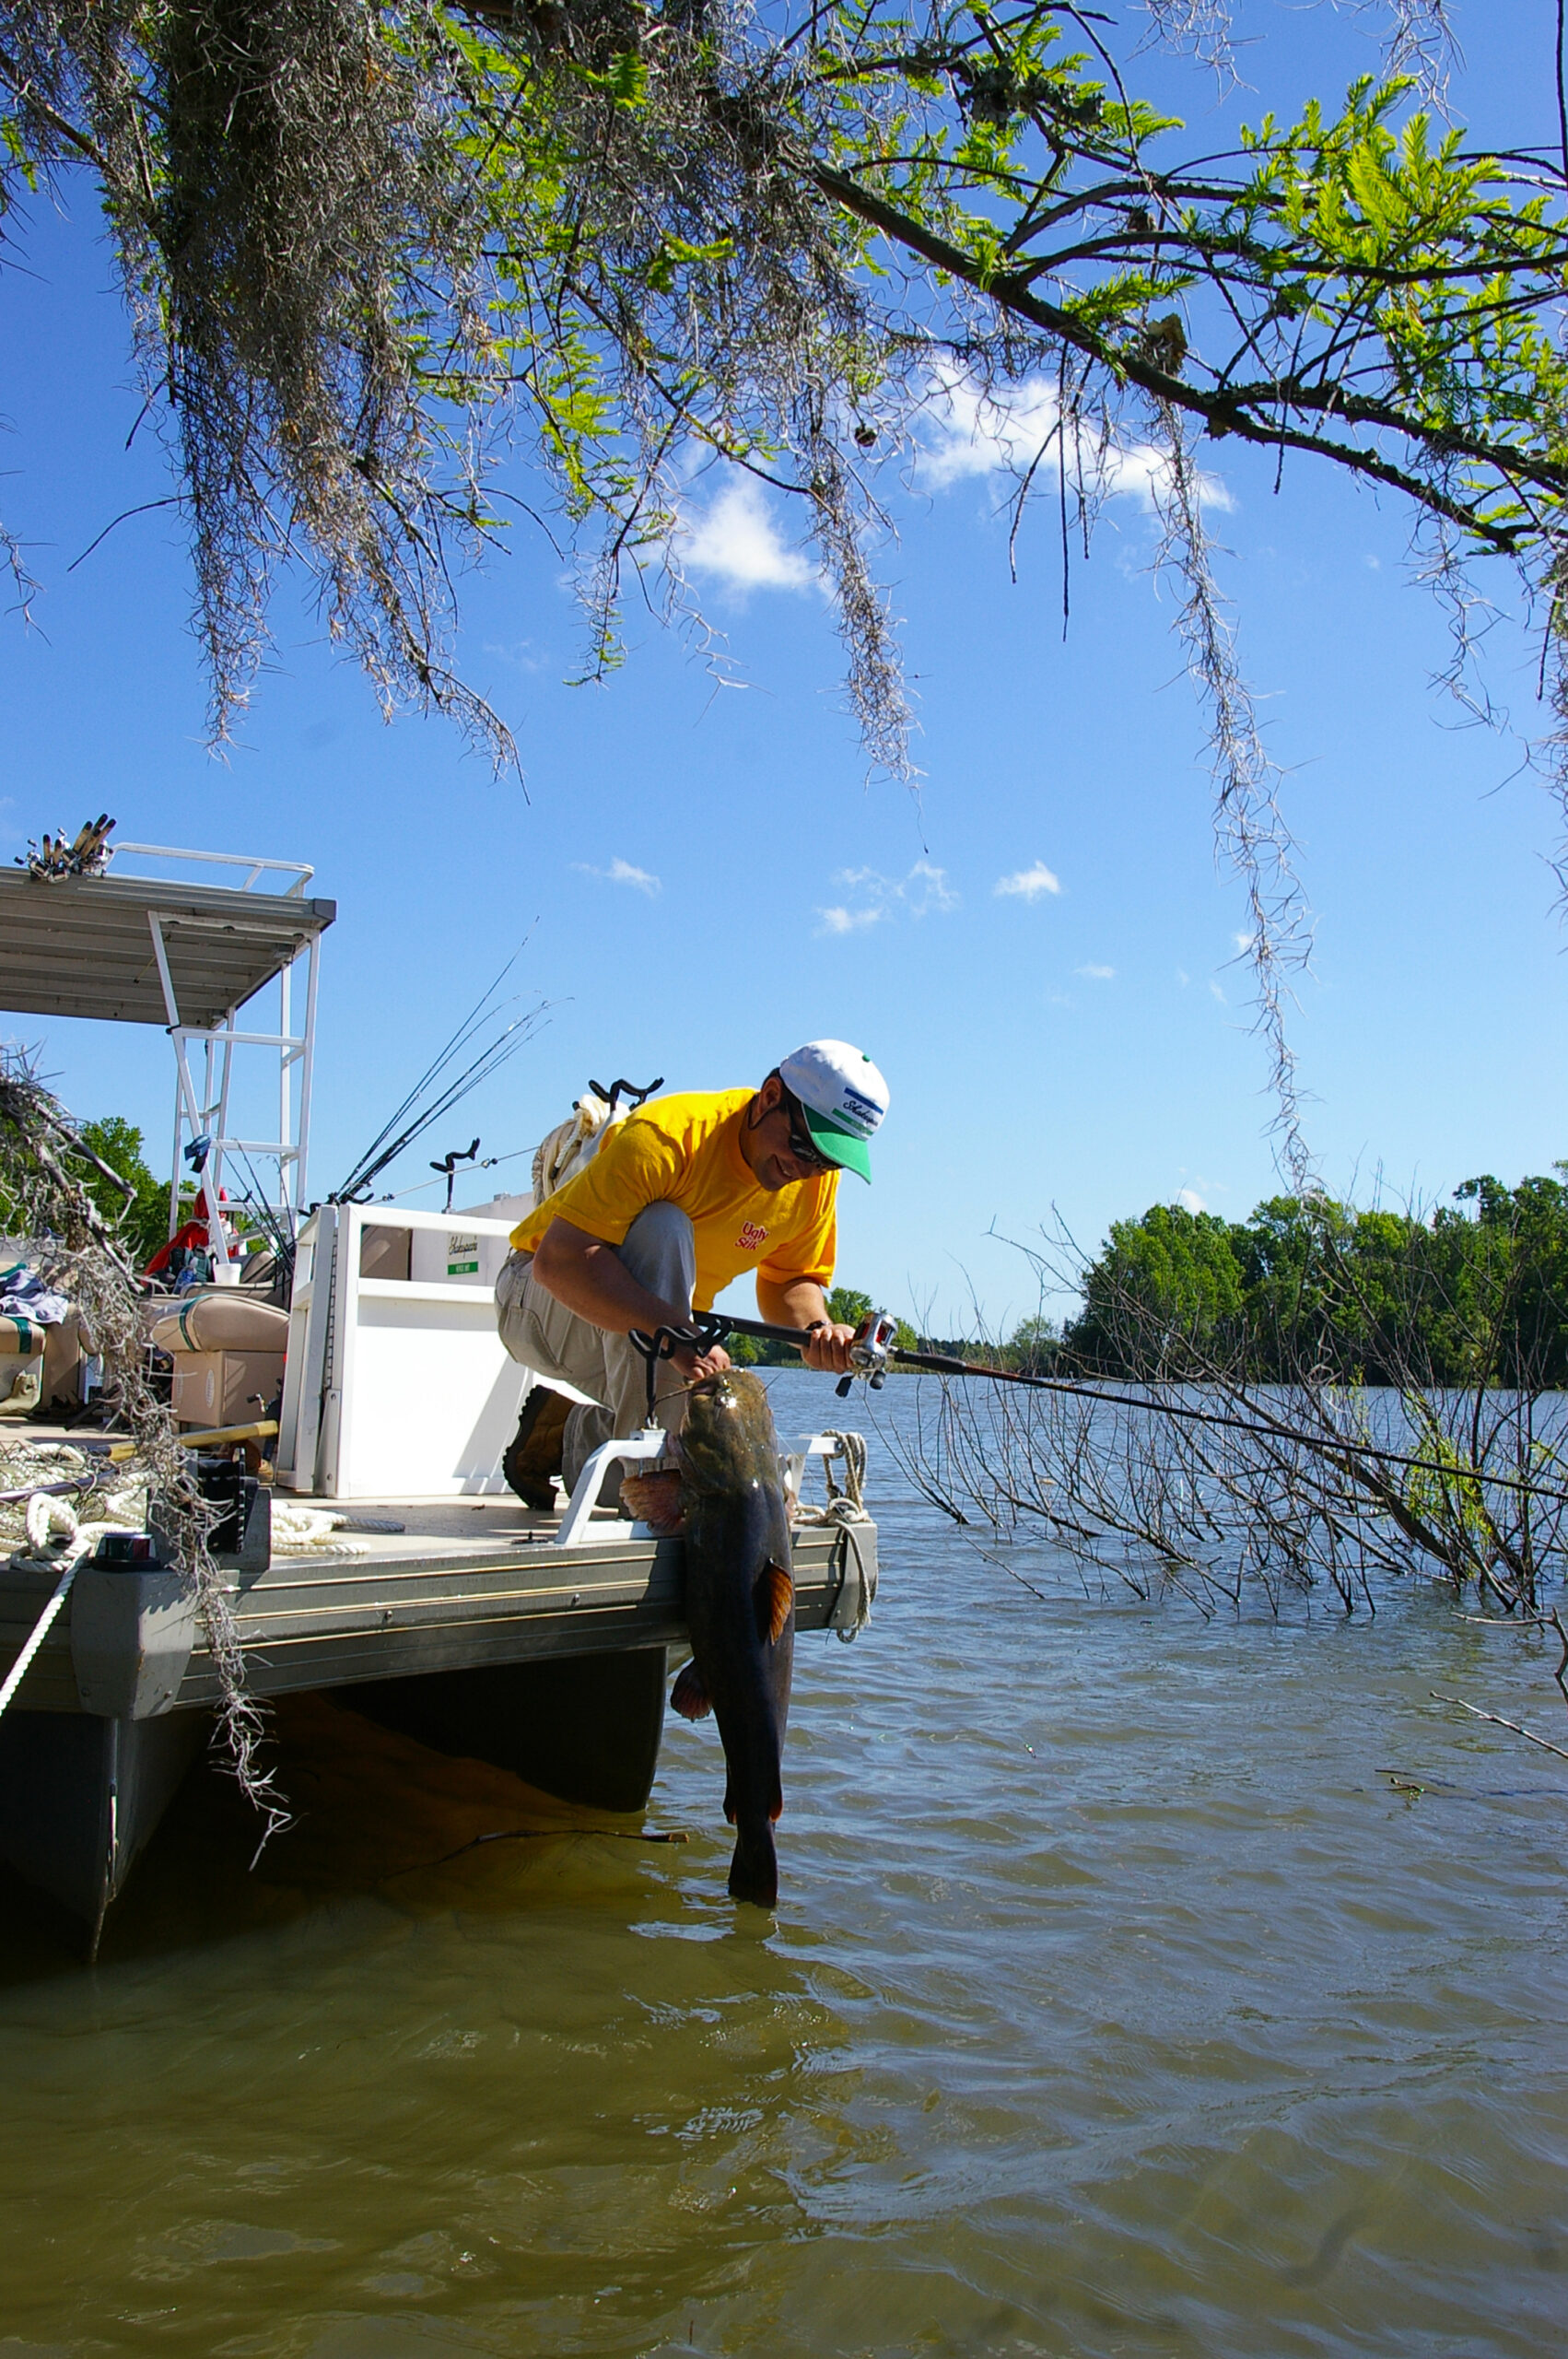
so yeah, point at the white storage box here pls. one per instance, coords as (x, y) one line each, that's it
(398, 1387)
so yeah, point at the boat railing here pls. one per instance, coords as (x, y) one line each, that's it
(254, 865)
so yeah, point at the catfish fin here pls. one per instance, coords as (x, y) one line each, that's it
(753, 1871)
(773, 1601)
(689, 1696)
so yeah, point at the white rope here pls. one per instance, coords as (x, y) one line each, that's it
(846, 1509)
(310, 1532)
(50, 1523)
(849, 1505)
(44, 1515)
(865, 1584)
(40, 1629)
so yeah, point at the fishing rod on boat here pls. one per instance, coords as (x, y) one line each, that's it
(419, 1109)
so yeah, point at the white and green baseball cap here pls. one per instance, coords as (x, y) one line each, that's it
(843, 1096)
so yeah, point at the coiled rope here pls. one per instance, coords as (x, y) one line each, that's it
(847, 1508)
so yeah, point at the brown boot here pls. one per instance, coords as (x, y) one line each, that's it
(533, 1453)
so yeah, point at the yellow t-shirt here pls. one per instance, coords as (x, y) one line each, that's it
(687, 1151)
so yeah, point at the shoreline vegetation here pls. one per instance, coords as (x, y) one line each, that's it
(1471, 1293)
(1325, 1395)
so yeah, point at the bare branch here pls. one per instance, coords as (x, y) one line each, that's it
(1497, 1722)
(15, 564)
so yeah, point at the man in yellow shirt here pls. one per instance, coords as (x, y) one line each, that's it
(685, 1195)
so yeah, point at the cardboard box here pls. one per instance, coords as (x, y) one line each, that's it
(218, 1387)
(62, 1362)
(383, 1252)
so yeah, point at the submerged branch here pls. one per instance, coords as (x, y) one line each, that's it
(1497, 1722)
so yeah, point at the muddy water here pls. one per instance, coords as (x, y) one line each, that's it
(1118, 2003)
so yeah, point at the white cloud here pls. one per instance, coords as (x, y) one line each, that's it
(976, 433)
(973, 434)
(1028, 884)
(1191, 1199)
(1219, 994)
(737, 541)
(1243, 942)
(621, 871)
(1097, 974)
(1183, 978)
(521, 656)
(924, 889)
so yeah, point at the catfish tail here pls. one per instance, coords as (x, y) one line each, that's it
(753, 1871)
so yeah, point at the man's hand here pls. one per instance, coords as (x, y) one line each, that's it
(802, 1303)
(695, 1365)
(828, 1350)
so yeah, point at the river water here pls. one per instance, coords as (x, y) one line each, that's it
(1117, 2001)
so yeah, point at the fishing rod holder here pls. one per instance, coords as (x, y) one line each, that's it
(634, 1449)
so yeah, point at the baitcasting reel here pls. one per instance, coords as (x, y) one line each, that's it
(869, 1351)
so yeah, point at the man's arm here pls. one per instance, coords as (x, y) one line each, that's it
(590, 1278)
(800, 1302)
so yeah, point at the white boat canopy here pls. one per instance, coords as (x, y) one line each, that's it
(127, 948)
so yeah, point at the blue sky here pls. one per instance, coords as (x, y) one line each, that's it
(1036, 947)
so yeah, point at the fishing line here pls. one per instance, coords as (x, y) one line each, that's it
(490, 1163)
(537, 1834)
(710, 1327)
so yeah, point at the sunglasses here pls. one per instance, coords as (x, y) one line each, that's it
(802, 1146)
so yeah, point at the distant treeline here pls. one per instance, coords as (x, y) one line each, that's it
(1472, 1295)
(1475, 1292)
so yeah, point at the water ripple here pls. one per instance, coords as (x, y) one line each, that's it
(1120, 2003)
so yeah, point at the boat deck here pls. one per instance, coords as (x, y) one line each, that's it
(465, 1583)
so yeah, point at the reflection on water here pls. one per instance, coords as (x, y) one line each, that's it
(1119, 2001)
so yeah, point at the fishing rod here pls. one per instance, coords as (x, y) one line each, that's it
(873, 1350)
(418, 1111)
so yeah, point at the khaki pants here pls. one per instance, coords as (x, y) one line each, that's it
(661, 1253)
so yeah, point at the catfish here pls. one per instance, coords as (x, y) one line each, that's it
(740, 1610)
